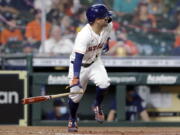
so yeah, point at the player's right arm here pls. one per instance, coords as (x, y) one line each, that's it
(77, 68)
(81, 43)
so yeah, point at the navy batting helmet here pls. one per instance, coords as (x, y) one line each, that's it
(97, 11)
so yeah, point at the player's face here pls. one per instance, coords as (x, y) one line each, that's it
(103, 22)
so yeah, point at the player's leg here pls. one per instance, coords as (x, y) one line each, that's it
(100, 93)
(74, 99)
(99, 76)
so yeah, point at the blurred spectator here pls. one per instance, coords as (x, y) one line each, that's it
(63, 6)
(33, 28)
(0, 38)
(67, 28)
(56, 44)
(117, 49)
(16, 6)
(59, 111)
(23, 5)
(28, 49)
(123, 46)
(1, 28)
(60, 8)
(135, 107)
(176, 20)
(53, 16)
(156, 7)
(80, 19)
(176, 49)
(125, 6)
(8, 6)
(131, 48)
(173, 7)
(11, 33)
(76, 6)
(143, 18)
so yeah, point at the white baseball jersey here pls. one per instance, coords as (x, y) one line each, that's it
(89, 43)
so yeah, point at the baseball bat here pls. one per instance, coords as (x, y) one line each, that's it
(31, 100)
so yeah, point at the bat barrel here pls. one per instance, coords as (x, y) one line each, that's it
(35, 99)
(48, 97)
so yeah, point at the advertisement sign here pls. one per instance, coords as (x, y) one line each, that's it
(144, 78)
(13, 87)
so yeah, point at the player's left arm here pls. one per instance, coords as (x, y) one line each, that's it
(106, 46)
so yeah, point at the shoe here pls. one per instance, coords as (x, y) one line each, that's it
(72, 126)
(99, 115)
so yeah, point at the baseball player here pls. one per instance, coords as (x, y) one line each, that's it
(86, 64)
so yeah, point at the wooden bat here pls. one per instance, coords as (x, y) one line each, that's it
(31, 100)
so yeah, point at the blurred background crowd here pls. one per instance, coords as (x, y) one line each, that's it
(140, 27)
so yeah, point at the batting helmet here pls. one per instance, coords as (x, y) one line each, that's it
(97, 11)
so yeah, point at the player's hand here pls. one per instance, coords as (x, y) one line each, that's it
(75, 82)
(75, 85)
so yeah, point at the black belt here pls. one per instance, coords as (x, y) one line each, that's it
(84, 64)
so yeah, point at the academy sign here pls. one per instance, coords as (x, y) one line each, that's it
(161, 79)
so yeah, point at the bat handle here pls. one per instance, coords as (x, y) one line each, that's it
(64, 94)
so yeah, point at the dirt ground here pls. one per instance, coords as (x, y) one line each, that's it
(16, 130)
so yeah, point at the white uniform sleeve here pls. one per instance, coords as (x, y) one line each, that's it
(82, 41)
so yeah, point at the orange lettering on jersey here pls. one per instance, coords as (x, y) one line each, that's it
(93, 48)
(90, 49)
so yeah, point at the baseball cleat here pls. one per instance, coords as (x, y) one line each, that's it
(72, 126)
(99, 115)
